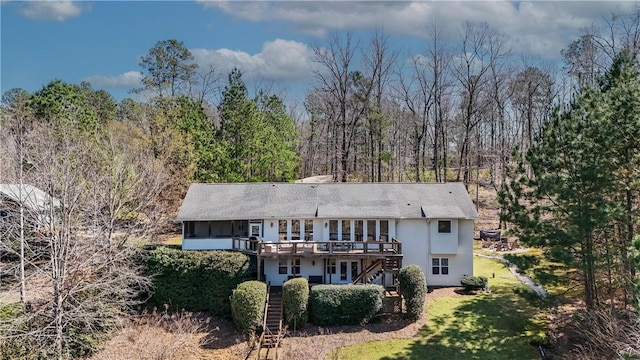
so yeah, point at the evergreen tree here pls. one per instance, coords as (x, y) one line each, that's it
(575, 191)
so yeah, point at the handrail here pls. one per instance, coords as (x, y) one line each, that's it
(258, 246)
(266, 307)
(264, 321)
(369, 269)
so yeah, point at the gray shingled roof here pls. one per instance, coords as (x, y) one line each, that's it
(246, 201)
(34, 198)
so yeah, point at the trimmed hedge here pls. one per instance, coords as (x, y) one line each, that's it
(295, 300)
(247, 305)
(196, 280)
(473, 283)
(413, 287)
(345, 304)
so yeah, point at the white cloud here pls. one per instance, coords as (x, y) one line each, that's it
(536, 27)
(128, 80)
(278, 60)
(58, 10)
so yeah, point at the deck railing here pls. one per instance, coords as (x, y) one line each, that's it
(259, 247)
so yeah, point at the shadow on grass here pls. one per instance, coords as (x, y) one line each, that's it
(496, 326)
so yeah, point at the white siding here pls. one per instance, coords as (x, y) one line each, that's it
(308, 267)
(207, 244)
(270, 230)
(444, 243)
(413, 234)
(460, 264)
(465, 250)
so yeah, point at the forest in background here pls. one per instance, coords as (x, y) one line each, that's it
(562, 144)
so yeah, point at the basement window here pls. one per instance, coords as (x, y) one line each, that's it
(440, 266)
(282, 266)
(331, 266)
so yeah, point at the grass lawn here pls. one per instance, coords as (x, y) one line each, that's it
(499, 325)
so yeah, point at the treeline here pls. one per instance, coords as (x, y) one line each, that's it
(120, 169)
(241, 138)
(457, 107)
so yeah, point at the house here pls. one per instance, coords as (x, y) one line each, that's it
(37, 205)
(336, 233)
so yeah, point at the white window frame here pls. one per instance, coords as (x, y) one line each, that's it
(441, 265)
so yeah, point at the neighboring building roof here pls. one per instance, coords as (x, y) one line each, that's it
(245, 201)
(316, 179)
(33, 198)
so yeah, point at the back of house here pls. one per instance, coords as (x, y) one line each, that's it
(336, 233)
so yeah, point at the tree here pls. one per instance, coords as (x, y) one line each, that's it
(60, 104)
(169, 68)
(256, 137)
(579, 199)
(481, 48)
(278, 139)
(532, 97)
(335, 79)
(17, 119)
(105, 195)
(195, 124)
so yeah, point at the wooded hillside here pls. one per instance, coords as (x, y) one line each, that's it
(564, 146)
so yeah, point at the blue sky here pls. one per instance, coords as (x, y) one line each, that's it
(101, 41)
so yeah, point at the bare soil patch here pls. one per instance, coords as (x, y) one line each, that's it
(197, 337)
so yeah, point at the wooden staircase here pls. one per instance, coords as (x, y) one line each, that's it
(272, 330)
(390, 264)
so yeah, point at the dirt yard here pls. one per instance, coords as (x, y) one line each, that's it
(197, 337)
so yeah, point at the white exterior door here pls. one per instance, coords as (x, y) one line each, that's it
(347, 271)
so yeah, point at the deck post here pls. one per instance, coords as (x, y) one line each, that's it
(259, 267)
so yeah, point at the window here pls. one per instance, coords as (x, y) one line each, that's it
(444, 226)
(295, 266)
(440, 266)
(190, 229)
(358, 229)
(346, 230)
(308, 230)
(282, 266)
(331, 266)
(333, 229)
(282, 230)
(371, 230)
(295, 229)
(384, 230)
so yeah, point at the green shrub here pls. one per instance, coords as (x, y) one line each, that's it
(473, 283)
(196, 280)
(295, 298)
(247, 305)
(413, 288)
(345, 304)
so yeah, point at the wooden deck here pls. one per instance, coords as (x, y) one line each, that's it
(317, 248)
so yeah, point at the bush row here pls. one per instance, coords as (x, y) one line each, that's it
(196, 280)
(345, 304)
